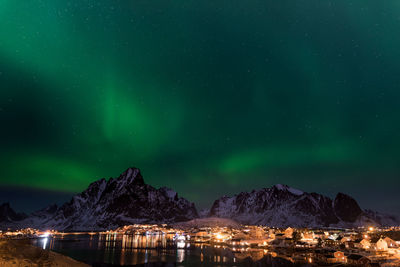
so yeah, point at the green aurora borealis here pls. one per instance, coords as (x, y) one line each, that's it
(206, 97)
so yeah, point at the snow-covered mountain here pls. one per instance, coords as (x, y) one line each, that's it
(108, 204)
(113, 203)
(283, 206)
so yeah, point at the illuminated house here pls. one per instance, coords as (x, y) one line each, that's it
(358, 260)
(256, 232)
(365, 244)
(202, 236)
(345, 239)
(340, 257)
(289, 232)
(308, 238)
(336, 257)
(381, 245)
(390, 242)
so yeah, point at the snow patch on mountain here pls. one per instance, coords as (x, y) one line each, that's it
(290, 189)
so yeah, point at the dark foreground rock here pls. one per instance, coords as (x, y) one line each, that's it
(16, 253)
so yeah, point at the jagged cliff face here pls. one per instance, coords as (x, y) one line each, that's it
(284, 206)
(117, 202)
(346, 208)
(7, 214)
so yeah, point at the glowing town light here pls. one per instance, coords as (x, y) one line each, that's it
(45, 234)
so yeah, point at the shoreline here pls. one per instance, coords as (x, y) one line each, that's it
(21, 253)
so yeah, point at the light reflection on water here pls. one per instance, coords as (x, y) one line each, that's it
(122, 250)
(44, 241)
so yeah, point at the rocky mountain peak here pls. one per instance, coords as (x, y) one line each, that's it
(346, 208)
(7, 214)
(107, 204)
(169, 192)
(51, 209)
(132, 176)
(282, 187)
(5, 206)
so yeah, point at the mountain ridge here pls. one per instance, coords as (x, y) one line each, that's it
(282, 206)
(108, 204)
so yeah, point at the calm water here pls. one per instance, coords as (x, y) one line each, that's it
(125, 250)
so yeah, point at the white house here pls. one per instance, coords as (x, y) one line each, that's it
(381, 245)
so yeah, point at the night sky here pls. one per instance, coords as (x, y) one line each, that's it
(206, 97)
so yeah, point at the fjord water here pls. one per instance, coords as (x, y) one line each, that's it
(126, 250)
(119, 249)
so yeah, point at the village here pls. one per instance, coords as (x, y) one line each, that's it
(360, 247)
(316, 247)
